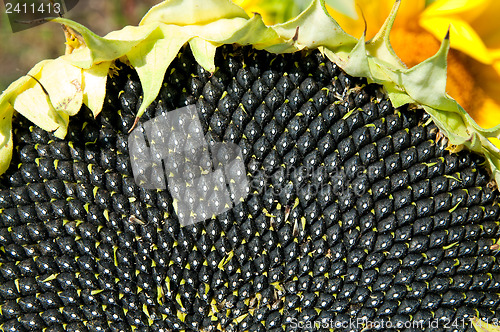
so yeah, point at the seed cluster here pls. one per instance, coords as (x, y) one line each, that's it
(393, 226)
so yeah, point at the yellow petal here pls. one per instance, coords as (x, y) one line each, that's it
(250, 6)
(462, 36)
(473, 8)
(375, 13)
(487, 25)
(413, 46)
(481, 14)
(477, 22)
(488, 115)
(63, 82)
(486, 107)
(407, 13)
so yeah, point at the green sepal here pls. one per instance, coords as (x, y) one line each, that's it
(426, 82)
(315, 28)
(254, 33)
(398, 97)
(357, 63)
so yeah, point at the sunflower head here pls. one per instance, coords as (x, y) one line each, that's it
(188, 33)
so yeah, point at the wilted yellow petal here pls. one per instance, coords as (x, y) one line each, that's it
(44, 115)
(63, 82)
(473, 8)
(94, 80)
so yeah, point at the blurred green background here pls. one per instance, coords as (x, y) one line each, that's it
(20, 51)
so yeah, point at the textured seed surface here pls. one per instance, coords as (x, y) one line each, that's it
(354, 212)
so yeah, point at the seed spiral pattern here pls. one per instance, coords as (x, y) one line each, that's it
(354, 212)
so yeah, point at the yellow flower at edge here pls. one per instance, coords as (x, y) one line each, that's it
(473, 62)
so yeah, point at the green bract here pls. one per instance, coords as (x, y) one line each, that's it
(80, 77)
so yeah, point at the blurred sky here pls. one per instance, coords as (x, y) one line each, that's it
(20, 51)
